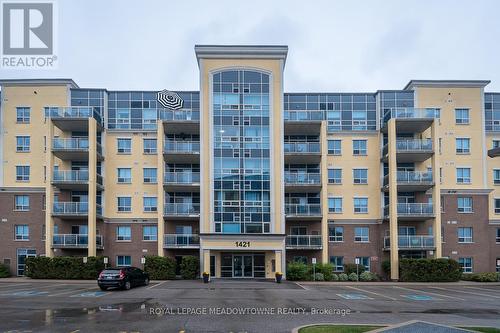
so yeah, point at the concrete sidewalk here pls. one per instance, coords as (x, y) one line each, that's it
(390, 283)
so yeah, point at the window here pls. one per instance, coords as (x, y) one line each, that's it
(23, 115)
(124, 146)
(334, 147)
(335, 176)
(336, 234)
(462, 116)
(464, 205)
(496, 144)
(123, 233)
(497, 238)
(337, 263)
(361, 205)
(359, 147)
(149, 233)
(335, 205)
(22, 232)
(124, 204)
(498, 265)
(463, 175)
(365, 261)
(149, 175)
(496, 176)
(22, 173)
(150, 146)
(22, 144)
(361, 234)
(465, 235)
(123, 261)
(462, 145)
(22, 202)
(360, 176)
(466, 264)
(497, 205)
(124, 175)
(302, 259)
(150, 204)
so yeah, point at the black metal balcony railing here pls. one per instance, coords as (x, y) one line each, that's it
(187, 115)
(303, 210)
(303, 241)
(294, 178)
(181, 240)
(411, 113)
(74, 241)
(72, 112)
(412, 242)
(301, 147)
(182, 209)
(74, 208)
(182, 177)
(182, 146)
(412, 209)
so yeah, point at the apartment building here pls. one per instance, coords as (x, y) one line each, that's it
(248, 177)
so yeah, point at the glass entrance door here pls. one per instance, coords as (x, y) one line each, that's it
(243, 266)
(22, 254)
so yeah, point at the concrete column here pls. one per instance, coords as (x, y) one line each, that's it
(92, 192)
(393, 199)
(206, 262)
(324, 193)
(160, 191)
(49, 190)
(436, 190)
(279, 264)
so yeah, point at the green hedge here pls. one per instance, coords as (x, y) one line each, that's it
(160, 268)
(4, 271)
(297, 271)
(326, 270)
(429, 270)
(351, 268)
(190, 267)
(64, 268)
(481, 277)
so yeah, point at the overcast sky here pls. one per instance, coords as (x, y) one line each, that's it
(334, 46)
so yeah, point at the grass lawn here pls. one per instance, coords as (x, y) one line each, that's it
(482, 329)
(338, 329)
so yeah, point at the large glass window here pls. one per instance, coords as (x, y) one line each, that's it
(360, 176)
(22, 202)
(22, 173)
(462, 145)
(335, 147)
(22, 144)
(496, 176)
(464, 204)
(338, 263)
(463, 176)
(123, 233)
(150, 146)
(361, 205)
(466, 264)
(124, 175)
(124, 204)
(335, 205)
(365, 261)
(335, 176)
(359, 147)
(361, 234)
(496, 202)
(335, 234)
(465, 235)
(23, 114)
(150, 204)
(462, 116)
(123, 261)
(149, 175)
(149, 233)
(22, 232)
(124, 145)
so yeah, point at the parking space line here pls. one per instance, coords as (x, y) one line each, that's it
(430, 293)
(30, 289)
(372, 292)
(303, 287)
(483, 289)
(156, 285)
(468, 292)
(69, 292)
(15, 285)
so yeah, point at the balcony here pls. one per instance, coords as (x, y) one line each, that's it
(303, 122)
(412, 211)
(302, 182)
(75, 149)
(180, 121)
(303, 211)
(182, 151)
(411, 150)
(74, 241)
(73, 209)
(73, 179)
(181, 241)
(423, 242)
(303, 242)
(302, 152)
(411, 181)
(73, 118)
(182, 181)
(410, 120)
(182, 211)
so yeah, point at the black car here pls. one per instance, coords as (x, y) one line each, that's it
(122, 277)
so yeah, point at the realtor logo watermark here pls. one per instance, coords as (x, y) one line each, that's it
(28, 34)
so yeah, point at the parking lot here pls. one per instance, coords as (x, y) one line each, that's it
(237, 305)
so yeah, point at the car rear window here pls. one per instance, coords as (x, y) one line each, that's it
(111, 271)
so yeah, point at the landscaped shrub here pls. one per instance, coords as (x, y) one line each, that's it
(4, 271)
(335, 277)
(319, 277)
(296, 271)
(481, 277)
(326, 270)
(160, 268)
(367, 276)
(343, 277)
(351, 268)
(386, 267)
(429, 270)
(353, 277)
(64, 267)
(190, 267)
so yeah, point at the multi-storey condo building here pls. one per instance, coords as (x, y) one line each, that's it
(248, 177)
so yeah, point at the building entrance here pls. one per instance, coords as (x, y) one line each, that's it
(239, 265)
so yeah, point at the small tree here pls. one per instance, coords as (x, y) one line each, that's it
(190, 267)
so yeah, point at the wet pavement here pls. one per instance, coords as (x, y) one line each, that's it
(237, 306)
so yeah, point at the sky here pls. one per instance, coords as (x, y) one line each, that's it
(334, 46)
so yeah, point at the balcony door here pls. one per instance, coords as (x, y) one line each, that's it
(406, 231)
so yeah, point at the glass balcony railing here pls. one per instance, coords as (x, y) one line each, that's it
(71, 176)
(70, 144)
(74, 241)
(411, 113)
(182, 147)
(414, 145)
(73, 208)
(182, 209)
(302, 147)
(181, 240)
(411, 177)
(187, 115)
(303, 210)
(303, 241)
(293, 178)
(412, 242)
(72, 112)
(412, 209)
(182, 177)
(304, 115)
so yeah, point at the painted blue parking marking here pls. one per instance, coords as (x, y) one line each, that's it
(354, 296)
(29, 293)
(91, 294)
(419, 297)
